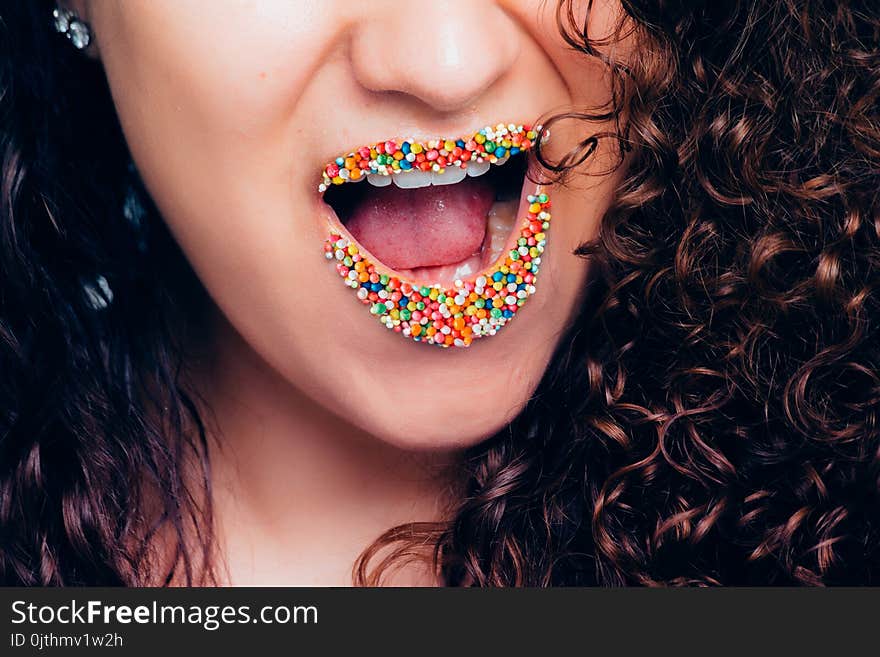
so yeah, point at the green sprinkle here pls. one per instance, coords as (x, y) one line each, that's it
(514, 255)
(496, 312)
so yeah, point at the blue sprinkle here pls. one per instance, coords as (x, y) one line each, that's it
(376, 287)
(497, 276)
(511, 278)
(404, 148)
(460, 143)
(514, 151)
(507, 313)
(500, 152)
(405, 165)
(340, 161)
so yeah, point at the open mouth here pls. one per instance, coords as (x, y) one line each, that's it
(439, 238)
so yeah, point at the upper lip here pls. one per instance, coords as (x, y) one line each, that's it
(398, 155)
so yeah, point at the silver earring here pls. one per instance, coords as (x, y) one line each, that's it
(69, 24)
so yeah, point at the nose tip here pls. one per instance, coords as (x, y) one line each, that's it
(445, 54)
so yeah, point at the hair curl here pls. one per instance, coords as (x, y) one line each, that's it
(95, 421)
(711, 417)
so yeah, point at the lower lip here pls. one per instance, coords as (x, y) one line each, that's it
(448, 316)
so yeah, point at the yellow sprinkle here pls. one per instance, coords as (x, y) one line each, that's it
(535, 208)
(449, 145)
(416, 148)
(337, 180)
(480, 139)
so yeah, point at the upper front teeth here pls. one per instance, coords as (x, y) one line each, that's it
(416, 179)
(477, 168)
(450, 176)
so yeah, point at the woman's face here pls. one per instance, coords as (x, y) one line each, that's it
(232, 110)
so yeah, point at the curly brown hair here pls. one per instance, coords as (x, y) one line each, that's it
(713, 417)
(710, 417)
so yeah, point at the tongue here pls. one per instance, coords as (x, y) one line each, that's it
(424, 227)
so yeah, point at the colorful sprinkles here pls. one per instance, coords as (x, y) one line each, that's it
(470, 309)
(386, 158)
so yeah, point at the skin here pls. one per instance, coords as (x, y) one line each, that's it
(330, 429)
